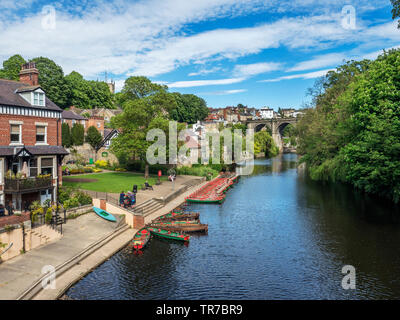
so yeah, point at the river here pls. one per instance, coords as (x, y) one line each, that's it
(278, 235)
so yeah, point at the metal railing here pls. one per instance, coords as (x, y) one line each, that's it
(17, 185)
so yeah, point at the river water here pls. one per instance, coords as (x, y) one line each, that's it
(277, 236)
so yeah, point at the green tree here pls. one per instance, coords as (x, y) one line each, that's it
(144, 105)
(77, 134)
(353, 133)
(12, 67)
(263, 143)
(396, 10)
(93, 137)
(51, 79)
(140, 87)
(189, 108)
(99, 95)
(77, 91)
(66, 135)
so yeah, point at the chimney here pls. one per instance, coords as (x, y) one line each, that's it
(29, 74)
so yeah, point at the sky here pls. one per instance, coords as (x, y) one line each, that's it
(255, 52)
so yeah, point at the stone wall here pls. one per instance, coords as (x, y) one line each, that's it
(33, 239)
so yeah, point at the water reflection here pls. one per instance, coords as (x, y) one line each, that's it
(278, 235)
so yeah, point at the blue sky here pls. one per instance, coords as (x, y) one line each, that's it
(258, 53)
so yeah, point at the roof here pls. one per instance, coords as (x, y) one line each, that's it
(72, 115)
(28, 89)
(34, 150)
(10, 97)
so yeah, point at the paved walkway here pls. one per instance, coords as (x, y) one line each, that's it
(162, 190)
(17, 274)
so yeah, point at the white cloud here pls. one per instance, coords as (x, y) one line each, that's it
(203, 71)
(248, 70)
(225, 92)
(310, 75)
(201, 83)
(147, 37)
(319, 62)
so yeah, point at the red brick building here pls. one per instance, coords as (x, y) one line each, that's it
(30, 141)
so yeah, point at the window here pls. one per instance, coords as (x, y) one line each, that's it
(47, 166)
(41, 134)
(15, 133)
(33, 167)
(38, 99)
(98, 124)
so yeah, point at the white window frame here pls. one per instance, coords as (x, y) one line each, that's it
(38, 99)
(45, 135)
(20, 133)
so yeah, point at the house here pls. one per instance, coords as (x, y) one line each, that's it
(97, 122)
(107, 114)
(267, 113)
(30, 141)
(103, 149)
(288, 113)
(70, 118)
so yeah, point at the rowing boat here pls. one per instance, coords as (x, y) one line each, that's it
(179, 216)
(140, 239)
(168, 234)
(104, 214)
(183, 228)
(177, 223)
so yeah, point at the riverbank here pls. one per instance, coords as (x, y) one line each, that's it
(87, 242)
(278, 235)
(103, 254)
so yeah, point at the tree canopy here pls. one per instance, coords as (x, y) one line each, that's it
(51, 79)
(353, 133)
(93, 137)
(12, 67)
(145, 106)
(396, 10)
(189, 108)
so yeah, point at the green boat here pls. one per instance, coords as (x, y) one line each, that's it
(168, 234)
(206, 201)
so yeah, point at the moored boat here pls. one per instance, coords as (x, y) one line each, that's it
(141, 238)
(179, 216)
(183, 228)
(104, 214)
(167, 234)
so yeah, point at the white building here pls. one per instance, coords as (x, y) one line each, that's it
(267, 113)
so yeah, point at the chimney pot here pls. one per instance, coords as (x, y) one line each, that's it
(29, 74)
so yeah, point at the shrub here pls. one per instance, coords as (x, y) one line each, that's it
(101, 163)
(71, 203)
(83, 198)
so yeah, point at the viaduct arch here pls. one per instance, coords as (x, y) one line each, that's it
(275, 126)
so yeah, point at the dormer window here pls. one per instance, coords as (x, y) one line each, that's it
(38, 99)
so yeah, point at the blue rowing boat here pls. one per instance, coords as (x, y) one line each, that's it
(104, 214)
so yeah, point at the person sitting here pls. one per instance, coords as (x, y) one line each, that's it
(127, 201)
(2, 211)
(10, 209)
(121, 198)
(134, 190)
(133, 200)
(147, 186)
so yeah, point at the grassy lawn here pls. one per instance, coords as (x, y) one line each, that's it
(113, 182)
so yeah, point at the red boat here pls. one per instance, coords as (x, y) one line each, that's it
(141, 238)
